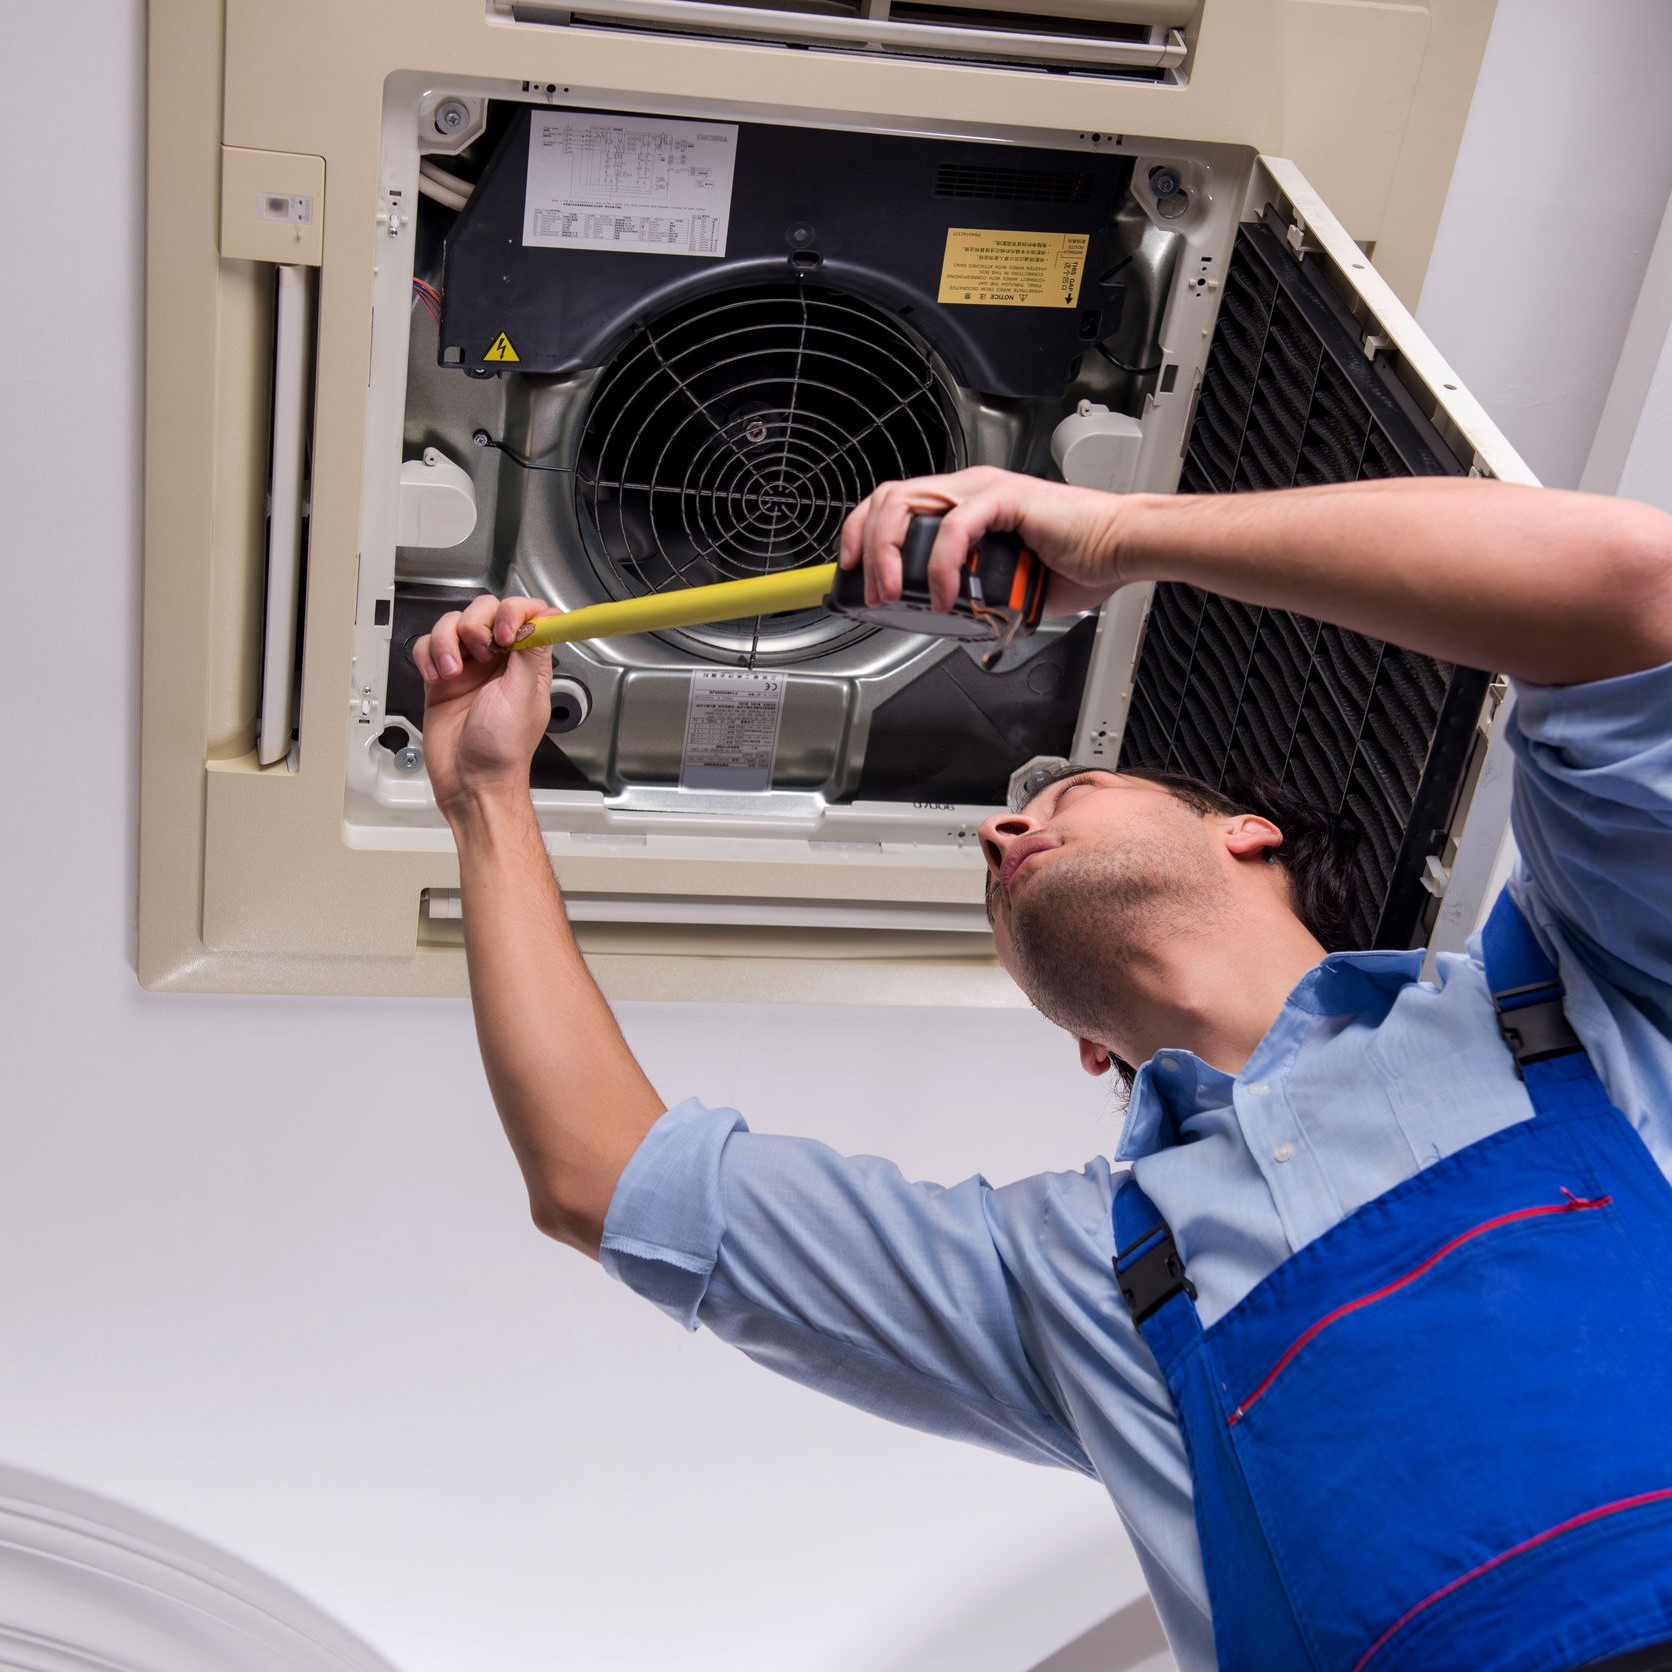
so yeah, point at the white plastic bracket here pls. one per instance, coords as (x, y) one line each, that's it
(438, 502)
(1097, 448)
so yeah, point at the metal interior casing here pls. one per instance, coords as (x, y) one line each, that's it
(562, 524)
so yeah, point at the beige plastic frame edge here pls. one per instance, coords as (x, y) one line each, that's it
(246, 883)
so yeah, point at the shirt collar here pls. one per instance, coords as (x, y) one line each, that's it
(1167, 1091)
(1175, 1086)
(1345, 982)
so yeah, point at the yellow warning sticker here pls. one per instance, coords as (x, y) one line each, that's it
(1012, 269)
(502, 349)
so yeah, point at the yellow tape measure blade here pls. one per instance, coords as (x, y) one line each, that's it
(695, 606)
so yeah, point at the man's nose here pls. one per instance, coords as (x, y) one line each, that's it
(997, 833)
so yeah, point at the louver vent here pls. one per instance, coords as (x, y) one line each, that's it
(1226, 691)
(1012, 185)
(1131, 40)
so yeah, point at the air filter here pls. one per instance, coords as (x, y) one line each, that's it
(1227, 691)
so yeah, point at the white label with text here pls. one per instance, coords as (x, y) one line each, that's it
(731, 730)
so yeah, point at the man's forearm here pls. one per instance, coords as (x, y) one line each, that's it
(1553, 587)
(574, 1102)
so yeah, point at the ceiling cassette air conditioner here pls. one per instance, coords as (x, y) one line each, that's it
(664, 321)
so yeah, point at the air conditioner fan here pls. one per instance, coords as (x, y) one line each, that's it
(732, 435)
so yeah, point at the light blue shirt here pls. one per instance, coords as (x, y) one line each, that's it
(992, 1315)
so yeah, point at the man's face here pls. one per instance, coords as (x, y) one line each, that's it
(1092, 869)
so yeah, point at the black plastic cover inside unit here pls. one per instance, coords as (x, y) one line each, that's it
(868, 213)
(957, 733)
(1226, 691)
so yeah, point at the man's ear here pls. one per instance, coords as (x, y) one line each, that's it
(1248, 836)
(1093, 1058)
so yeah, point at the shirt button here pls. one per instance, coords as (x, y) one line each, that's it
(1258, 1088)
(1170, 1064)
(1283, 1152)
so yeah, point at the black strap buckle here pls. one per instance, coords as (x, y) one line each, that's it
(1536, 1031)
(1154, 1277)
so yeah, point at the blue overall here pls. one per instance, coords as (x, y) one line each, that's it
(1440, 1435)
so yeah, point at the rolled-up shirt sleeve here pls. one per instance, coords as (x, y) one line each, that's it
(901, 1298)
(1593, 819)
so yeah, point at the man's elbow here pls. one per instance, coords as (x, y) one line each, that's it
(573, 1225)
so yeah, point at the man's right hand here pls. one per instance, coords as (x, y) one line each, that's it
(1073, 531)
(485, 708)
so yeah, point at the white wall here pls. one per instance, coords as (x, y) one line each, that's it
(269, 1272)
(1560, 186)
(1648, 472)
(1640, 402)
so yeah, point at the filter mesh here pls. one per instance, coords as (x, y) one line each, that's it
(1227, 691)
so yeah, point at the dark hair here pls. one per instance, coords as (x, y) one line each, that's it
(1317, 852)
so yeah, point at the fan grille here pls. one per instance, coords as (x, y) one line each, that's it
(732, 436)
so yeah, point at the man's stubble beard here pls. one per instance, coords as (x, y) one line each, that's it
(1078, 925)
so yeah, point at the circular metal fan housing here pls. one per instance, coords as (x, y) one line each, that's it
(732, 436)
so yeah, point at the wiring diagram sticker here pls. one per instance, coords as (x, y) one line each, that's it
(605, 182)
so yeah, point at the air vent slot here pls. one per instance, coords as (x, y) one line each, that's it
(1140, 40)
(287, 514)
(1012, 185)
(1226, 691)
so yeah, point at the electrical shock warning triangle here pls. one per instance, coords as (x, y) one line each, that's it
(502, 349)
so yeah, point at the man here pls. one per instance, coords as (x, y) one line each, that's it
(1381, 1376)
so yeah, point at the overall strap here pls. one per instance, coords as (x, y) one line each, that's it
(1254, 1621)
(1151, 1274)
(1527, 993)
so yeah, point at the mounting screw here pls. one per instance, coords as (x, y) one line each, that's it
(481, 438)
(451, 115)
(410, 759)
(1165, 181)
